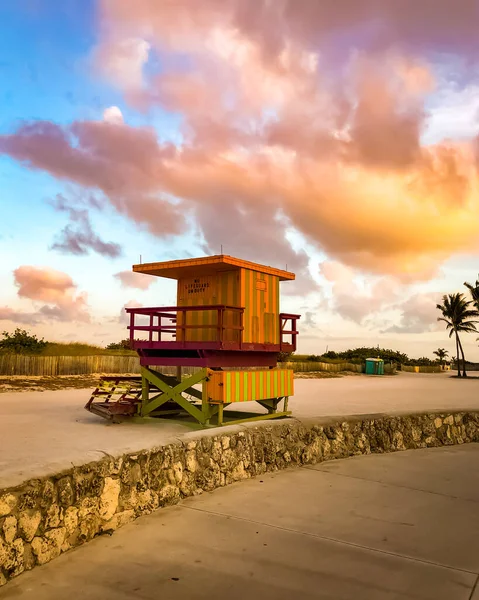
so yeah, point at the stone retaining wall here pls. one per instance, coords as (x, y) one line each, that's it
(44, 517)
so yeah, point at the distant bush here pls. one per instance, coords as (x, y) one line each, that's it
(121, 345)
(423, 362)
(21, 342)
(386, 354)
(359, 356)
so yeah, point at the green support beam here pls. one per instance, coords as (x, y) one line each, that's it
(171, 390)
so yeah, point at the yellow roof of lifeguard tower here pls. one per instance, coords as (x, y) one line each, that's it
(191, 267)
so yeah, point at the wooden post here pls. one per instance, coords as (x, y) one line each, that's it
(132, 326)
(145, 392)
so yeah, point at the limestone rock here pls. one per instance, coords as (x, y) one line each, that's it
(416, 433)
(191, 461)
(89, 527)
(66, 494)
(3, 552)
(178, 471)
(130, 473)
(169, 494)
(237, 474)
(228, 460)
(398, 441)
(49, 546)
(10, 529)
(13, 562)
(28, 557)
(48, 494)
(70, 519)
(28, 524)
(147, 501)
(53, 517)
(88, 506)
(109, 498)
(7, 504)
(118, 520)
(128, 498)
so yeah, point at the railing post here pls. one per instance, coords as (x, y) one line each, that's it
(150, 336)
(183, 326)
(132, 326)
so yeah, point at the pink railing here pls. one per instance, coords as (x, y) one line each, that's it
(171, 322)
(284, 319)
(178, 328)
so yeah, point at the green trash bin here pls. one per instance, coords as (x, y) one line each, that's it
(374, 366)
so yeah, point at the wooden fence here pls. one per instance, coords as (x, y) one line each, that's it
(414, 369)
(17, 364)
(303, 367)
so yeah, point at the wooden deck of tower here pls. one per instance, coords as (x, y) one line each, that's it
(227, 316)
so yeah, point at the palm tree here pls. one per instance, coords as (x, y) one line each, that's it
(474, 291)
(441, 354)
(459, 317)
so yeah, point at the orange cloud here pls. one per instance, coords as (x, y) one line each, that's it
(280, 131)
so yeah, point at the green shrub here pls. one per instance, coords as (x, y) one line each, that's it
(21, 342)
(121, 345)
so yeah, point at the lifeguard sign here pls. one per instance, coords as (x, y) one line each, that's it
(227, 315)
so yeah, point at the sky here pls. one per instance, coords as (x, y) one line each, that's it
(337, 138)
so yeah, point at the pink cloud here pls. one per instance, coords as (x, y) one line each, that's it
(56, 289)
(355, 301)
(19, 317)
(124, 317)
(418, 314)
(123, 162)
(122, 61)
(42, 284)
(79, 238)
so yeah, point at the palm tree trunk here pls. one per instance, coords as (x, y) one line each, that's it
(464, 374)
(458, 360)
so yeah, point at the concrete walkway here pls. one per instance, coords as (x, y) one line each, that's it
(395, 526)
(44, 432)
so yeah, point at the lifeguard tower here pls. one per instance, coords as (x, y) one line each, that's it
(228, 324)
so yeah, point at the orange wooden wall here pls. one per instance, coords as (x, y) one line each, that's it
(257, 292)
(260, 297)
